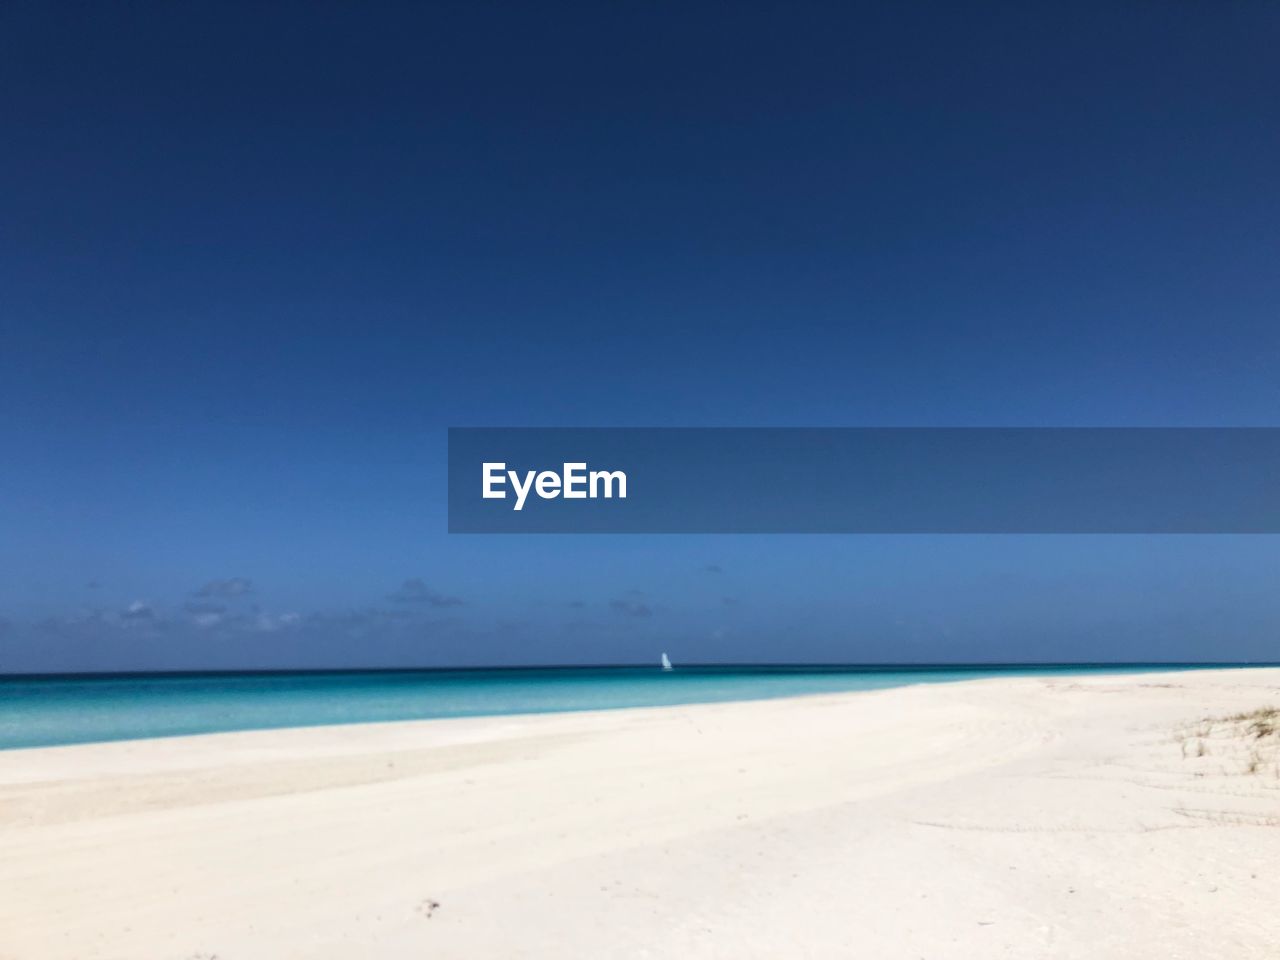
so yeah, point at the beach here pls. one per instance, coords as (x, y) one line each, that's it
(1058, 817)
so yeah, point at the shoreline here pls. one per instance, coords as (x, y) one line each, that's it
(1014, 671)
(397, 734)
(951, 819)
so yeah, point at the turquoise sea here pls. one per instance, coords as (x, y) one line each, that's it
(44, 711)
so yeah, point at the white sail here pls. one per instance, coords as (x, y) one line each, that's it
(666, 662)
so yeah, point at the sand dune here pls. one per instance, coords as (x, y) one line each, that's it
(1092, 817)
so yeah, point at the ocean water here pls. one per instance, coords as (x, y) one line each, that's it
(45, 711)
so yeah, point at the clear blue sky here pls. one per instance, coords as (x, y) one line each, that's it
(255, 260)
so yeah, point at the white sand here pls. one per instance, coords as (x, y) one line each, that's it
(1029, 818)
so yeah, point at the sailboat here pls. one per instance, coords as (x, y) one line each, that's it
(666, 662)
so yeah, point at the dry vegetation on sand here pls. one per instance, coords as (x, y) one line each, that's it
(1246, 743)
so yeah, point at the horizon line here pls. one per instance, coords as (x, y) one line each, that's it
(699, 665)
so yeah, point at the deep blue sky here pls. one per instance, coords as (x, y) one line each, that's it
(254, 260)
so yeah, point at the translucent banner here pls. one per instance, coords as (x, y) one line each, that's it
(864, 480)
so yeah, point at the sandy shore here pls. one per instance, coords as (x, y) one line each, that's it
(1089, 817)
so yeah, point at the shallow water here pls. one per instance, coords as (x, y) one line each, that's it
(44, 711)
